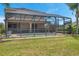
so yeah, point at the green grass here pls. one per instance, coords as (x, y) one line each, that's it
(56, 46)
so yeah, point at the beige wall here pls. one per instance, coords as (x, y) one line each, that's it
(28, 26)
(25, 26)
(40, 25)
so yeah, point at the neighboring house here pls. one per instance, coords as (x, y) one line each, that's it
(20, 20)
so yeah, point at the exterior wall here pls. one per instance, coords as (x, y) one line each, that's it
(52, 28)
(40, 25)
(25, 26)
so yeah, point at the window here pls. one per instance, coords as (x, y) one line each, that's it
(17, 17)
(12, 25)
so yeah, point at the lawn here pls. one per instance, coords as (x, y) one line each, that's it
(53, 46)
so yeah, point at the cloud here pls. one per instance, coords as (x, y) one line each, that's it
(2, 19)
(52, 7)
(52, 10)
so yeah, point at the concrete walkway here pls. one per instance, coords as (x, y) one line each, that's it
(36, 36)
(32, 37)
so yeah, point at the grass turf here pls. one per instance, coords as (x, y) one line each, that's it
(54, 46)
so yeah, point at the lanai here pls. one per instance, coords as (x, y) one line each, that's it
(54, 18)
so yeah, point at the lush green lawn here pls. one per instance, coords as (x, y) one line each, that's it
(48, 46)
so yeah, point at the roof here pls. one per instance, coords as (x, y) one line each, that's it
(31, 12)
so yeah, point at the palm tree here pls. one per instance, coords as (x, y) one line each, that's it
(6, 5)
(74, 7)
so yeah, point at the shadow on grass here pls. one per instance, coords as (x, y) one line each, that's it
(14, 39)
(75, 36)
(1, 41)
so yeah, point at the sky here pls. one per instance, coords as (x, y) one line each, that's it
(51, 8)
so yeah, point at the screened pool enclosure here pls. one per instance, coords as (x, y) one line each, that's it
(30, 22)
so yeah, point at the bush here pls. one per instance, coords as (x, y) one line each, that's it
(69, 29)
(2, 29)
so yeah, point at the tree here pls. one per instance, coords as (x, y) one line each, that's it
(1, 28)
(6, 5)
(69, 29)
(74, 7)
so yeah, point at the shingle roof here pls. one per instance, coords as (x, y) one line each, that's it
(31, 12)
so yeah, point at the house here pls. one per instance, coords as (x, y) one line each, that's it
(21, 20)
